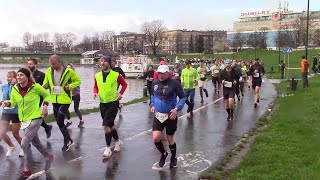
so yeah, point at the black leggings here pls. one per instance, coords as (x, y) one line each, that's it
(60, 111)
(76, 103)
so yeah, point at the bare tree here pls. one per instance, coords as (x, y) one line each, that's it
(153, 31)
(27, 38)
(316, 37)
(108, 39)
(69, 39)
(45, 37)
(58, 39)
(238, 40)
(4, 45)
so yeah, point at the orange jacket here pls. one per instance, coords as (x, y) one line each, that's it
(304, 65)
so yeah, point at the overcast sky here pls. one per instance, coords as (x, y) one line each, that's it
(84, 17)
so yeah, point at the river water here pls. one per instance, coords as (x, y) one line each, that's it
(86, 73)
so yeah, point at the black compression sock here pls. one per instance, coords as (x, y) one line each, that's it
(115, 135)
(108, 138)
(160, 147)
(173, 149)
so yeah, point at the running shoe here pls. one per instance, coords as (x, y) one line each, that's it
(173, 162)
(255, 105)
(49, 160)
(201, 101)
(81, 124)
(207, 95)
(163, 159)
(120, 107)
(10, 150)
(107, 153)
(25, 174)
(69, 123)
(67, 145)
(48, 131)
(258, 100)
(21, 153)
(117, 146)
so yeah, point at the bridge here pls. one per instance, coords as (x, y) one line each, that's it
(37, 55)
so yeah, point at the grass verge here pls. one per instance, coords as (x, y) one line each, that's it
(286, 144)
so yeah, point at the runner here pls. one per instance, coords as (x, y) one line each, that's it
(38, 77)
(256, 72)
(149, 79)
(237, 68)
(177, 71)
(106, 83)
(26, 95)
(76, 103)
(203, 71)
(215, 72)
(10, 114)
(189, 78)
(228, 77)
(243, 78)
(165, 107)
(120, 71)
(61, 81)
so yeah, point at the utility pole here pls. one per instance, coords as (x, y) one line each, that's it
(307, 38)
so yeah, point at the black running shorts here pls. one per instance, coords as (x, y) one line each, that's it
(170, 125)
(228, 93)
(256, 83)
(109, 113)
(14, 118)
(216, 80)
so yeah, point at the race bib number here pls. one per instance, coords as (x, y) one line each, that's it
(202, 76)
(216, 71)
(228, 84)
(162, 117)
(176, 74)
(57, 90)
(256, 75)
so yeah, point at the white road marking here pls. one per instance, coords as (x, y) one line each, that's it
(38, 174)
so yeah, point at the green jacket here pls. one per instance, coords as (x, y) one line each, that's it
(69, 77)
(28, 105)
(189, 78)
(108, 90)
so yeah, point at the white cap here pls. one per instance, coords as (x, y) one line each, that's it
(177, 61)
(163, 68)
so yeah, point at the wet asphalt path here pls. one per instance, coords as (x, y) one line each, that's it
(201, 142)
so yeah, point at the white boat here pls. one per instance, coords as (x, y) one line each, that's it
(134, 66)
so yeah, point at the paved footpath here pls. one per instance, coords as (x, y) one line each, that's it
(201, 142)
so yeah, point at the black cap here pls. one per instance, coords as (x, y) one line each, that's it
(25, 71)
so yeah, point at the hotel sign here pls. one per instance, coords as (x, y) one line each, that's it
(256, 13)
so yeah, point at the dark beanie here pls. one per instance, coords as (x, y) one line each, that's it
(106, 58)
(25, 71)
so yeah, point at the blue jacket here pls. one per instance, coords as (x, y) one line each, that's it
(6, 92)
(164, 95)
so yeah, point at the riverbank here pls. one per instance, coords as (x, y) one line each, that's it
(284, 144)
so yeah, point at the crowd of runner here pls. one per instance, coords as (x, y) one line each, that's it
(28, 92)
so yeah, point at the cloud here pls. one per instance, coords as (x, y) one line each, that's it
(78, 22)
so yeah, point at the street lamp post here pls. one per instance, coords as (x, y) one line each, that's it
(307, 38)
